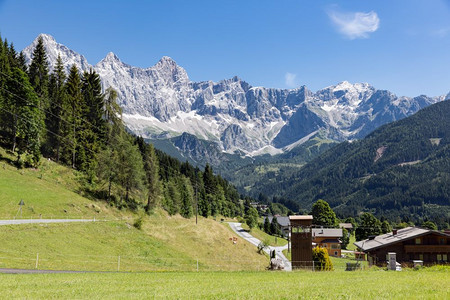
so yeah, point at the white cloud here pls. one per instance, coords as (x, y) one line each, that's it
(441, 33)
(355, 25)
(290, 80)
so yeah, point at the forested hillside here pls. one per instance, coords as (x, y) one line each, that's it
(401, 170)
(68, 118)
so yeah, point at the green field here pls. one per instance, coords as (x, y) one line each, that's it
(424, 284)
(48, 192)
(164, 242)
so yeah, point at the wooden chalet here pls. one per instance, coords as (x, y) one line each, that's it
(409, 244)
(328, 238)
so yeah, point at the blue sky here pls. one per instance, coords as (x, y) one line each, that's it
(399, 45)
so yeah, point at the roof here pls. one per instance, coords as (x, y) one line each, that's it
(346, 225)
(330, 241)
(283, 221)
(388, 238)
(327, 232)
(307, 217)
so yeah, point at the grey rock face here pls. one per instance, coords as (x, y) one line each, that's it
(161, 101)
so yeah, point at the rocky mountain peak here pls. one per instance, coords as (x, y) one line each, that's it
(166, 61)
(47, 38)
(111, 57)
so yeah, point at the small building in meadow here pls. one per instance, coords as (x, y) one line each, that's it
(409, 244)
(301, 239)
(328, 238)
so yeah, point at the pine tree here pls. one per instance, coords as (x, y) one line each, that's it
(38, 72)
(152, 175)
(186, 195)
(72, 114)
(5, 72)
(94, 102)
(108, 167)
(22, 63)
(274, 228)
(267, 225)
(27, 118)
(58, 101)
(131, 173)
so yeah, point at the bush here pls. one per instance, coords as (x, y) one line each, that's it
(138, 223)
(322, 261)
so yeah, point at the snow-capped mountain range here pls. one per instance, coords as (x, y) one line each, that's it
(162, 102)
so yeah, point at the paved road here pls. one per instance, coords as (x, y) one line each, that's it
(36, 221)
(29, 271)
(251, 239)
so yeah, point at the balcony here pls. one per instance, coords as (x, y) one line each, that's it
(426, 248)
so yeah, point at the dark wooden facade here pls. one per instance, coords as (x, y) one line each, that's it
(301, 239)
(432, 248)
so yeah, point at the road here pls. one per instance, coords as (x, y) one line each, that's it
(32, 271)
(37, 221)
(237, 227)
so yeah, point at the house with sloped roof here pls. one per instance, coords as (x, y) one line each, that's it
(283, 223)
(328, 238)
(409, 244)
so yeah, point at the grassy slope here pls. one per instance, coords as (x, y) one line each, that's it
(47, 191)
(424, 284)
(164, 243)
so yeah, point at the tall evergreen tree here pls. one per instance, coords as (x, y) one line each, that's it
(22, 63)
(38, 72)
(95, 105)
(152, 177)
(73, 115)
(186, 195)
(58, 101)
(5, 72)
(131, 173)
(27, 118)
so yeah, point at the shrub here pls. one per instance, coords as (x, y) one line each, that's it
(138, 223)
(322, 261)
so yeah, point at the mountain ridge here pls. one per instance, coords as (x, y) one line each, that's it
(161, 101)
(400, 169)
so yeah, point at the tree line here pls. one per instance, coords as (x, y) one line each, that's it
(72, 120)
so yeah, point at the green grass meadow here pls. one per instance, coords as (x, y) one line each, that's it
(423, 284)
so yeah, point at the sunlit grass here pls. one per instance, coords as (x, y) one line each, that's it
(423, 284)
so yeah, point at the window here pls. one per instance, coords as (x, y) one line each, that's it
(441, 241)
(324, 245)
(421, 257)
(439, 257)
(335, 253)
(418, 241)
(444, 257)
(335, 246)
